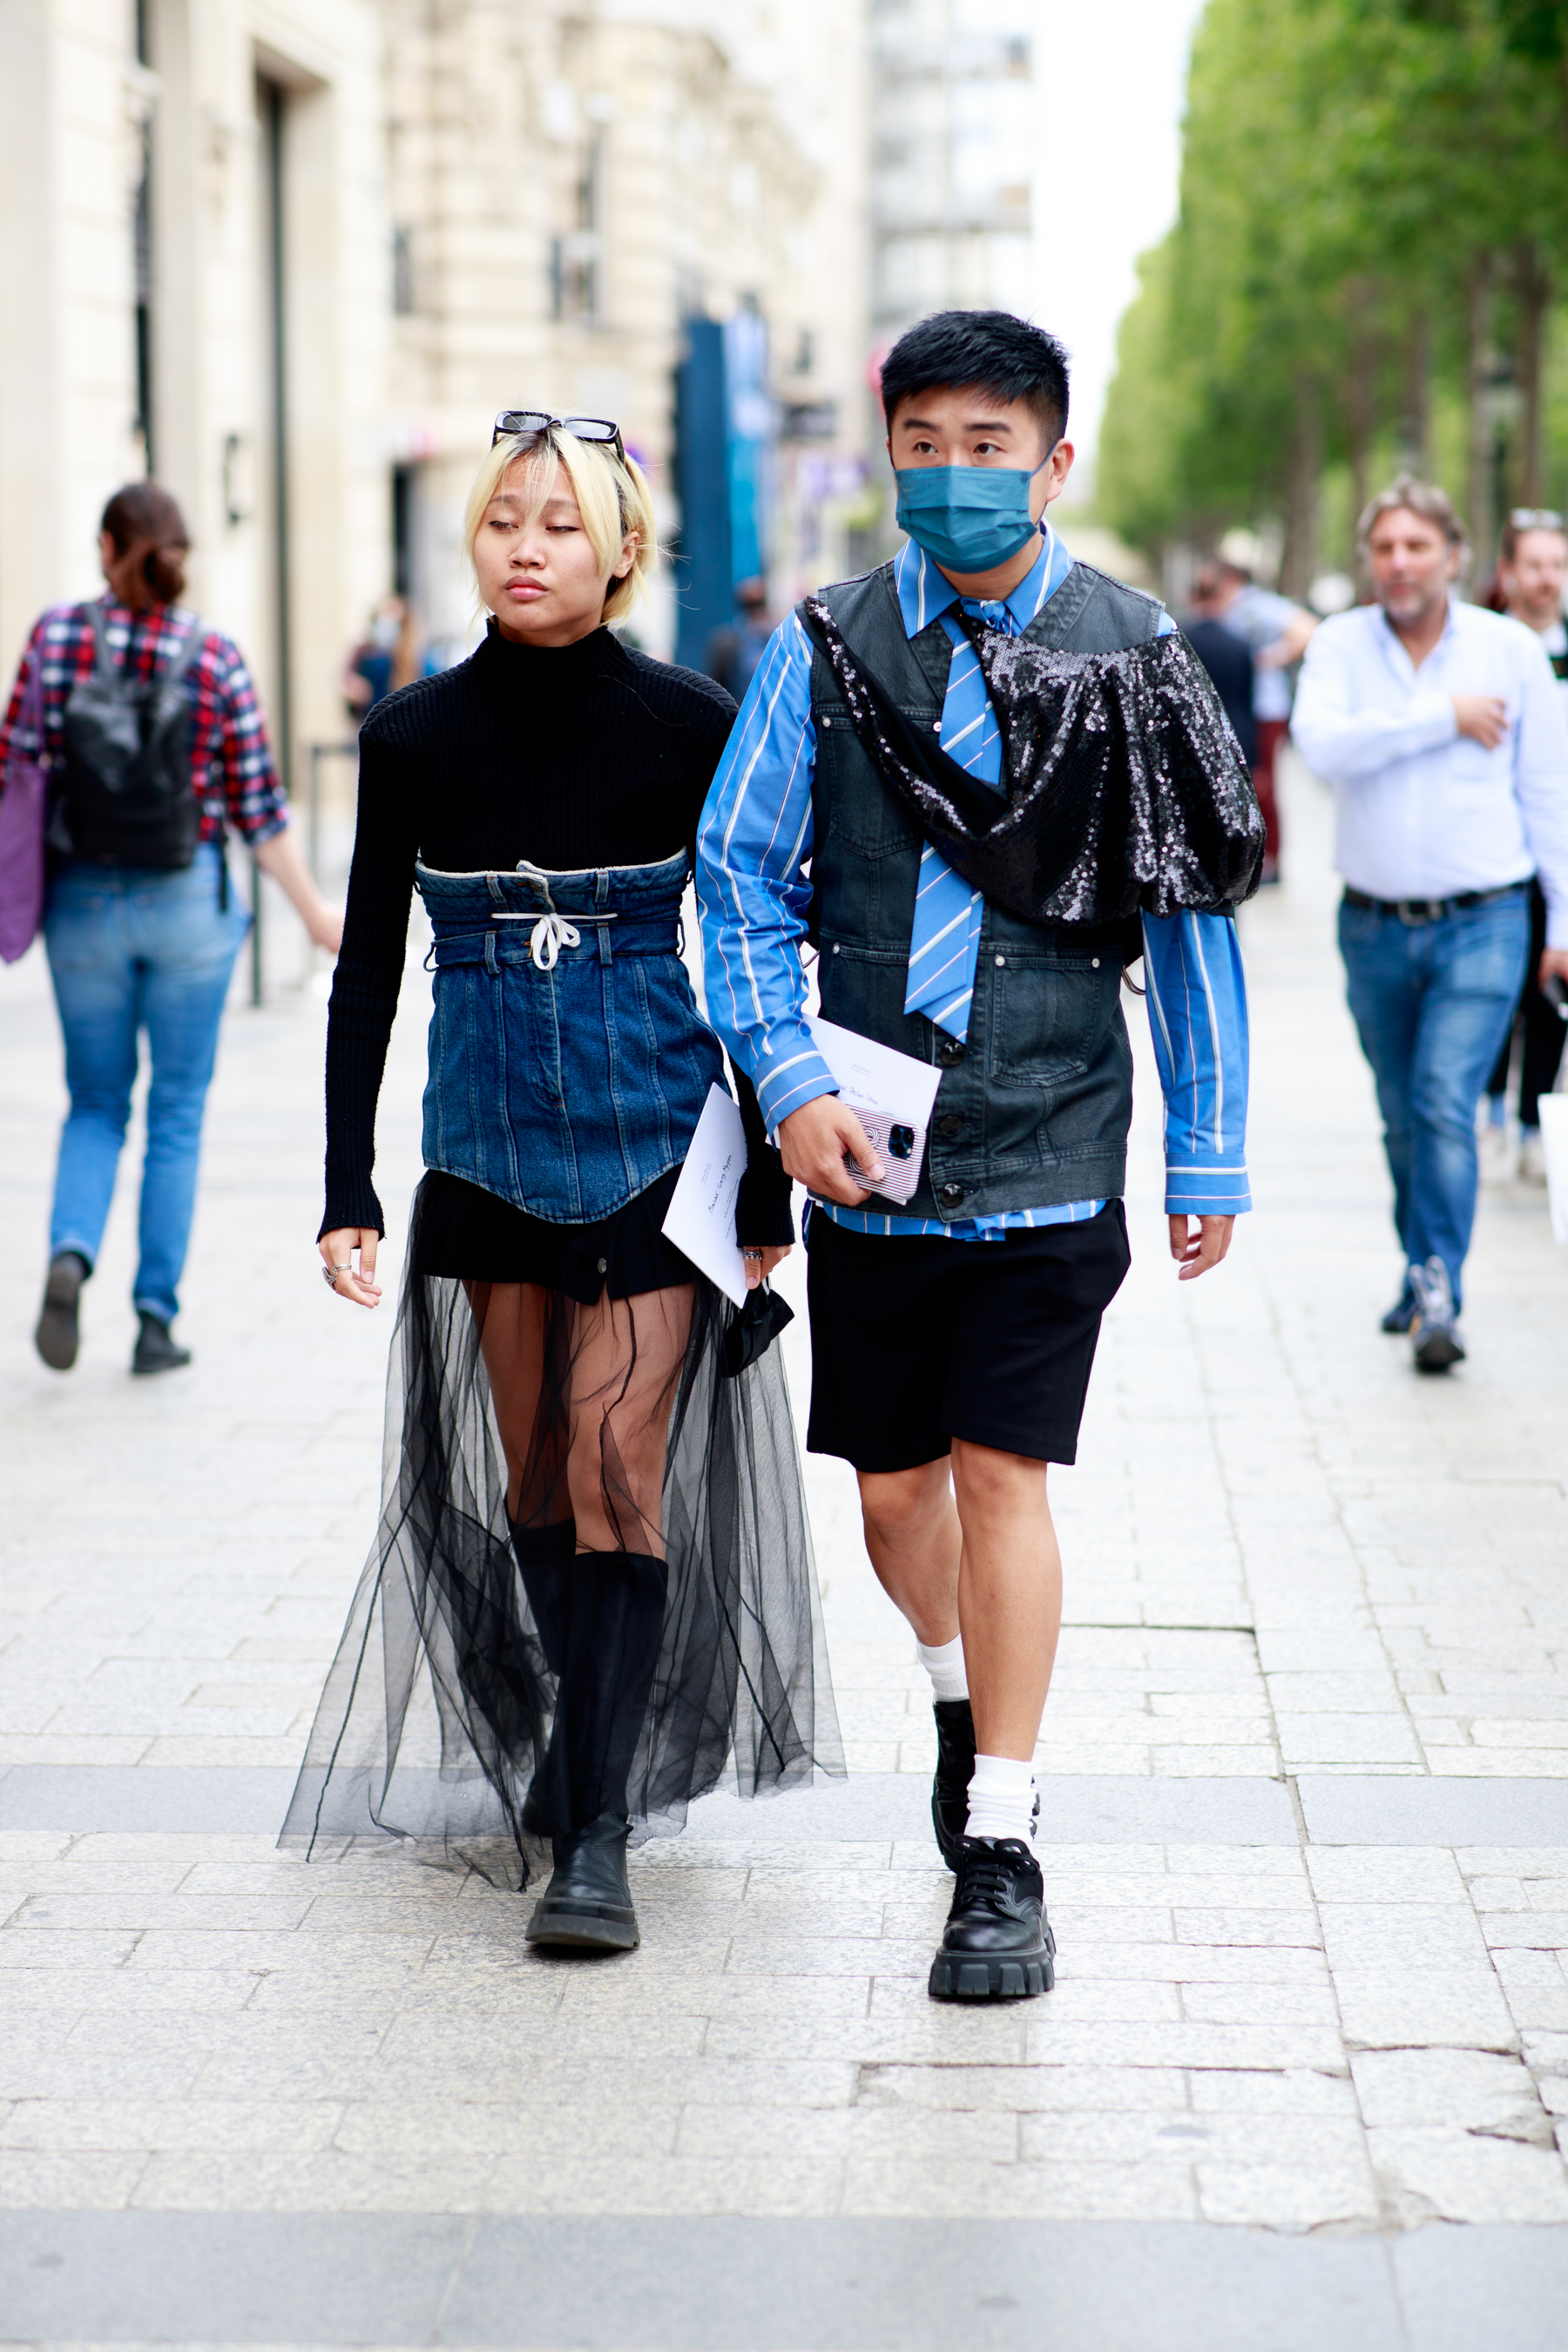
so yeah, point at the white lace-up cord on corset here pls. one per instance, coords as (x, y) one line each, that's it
(548, 936)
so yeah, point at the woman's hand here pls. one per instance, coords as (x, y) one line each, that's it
(337, 1253)
(760, 1263)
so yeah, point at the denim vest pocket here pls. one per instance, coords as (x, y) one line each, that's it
(1050, 1014)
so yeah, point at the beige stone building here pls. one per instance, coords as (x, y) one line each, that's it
(295, 253)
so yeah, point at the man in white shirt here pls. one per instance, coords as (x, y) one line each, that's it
(1440, 727)
(1532, 578)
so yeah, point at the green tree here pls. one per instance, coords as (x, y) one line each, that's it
(1374, 194)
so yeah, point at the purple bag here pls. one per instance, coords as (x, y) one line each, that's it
(24, 810)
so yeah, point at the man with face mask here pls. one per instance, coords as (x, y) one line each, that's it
(987, 754)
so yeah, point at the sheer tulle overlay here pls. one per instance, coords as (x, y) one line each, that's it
(437, 1712)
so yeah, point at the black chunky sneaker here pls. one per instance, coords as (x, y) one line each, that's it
(56, 1336)
(156, 1351)
(587, 1905)
(998, 1945)
(954, 1770)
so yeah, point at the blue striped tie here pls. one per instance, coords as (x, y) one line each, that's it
(944, 944)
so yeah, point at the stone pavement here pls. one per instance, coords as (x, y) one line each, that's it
(1305, 1826)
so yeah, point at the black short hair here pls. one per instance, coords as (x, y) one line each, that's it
(1006, 355)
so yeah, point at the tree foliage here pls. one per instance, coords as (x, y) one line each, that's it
(1373, 206)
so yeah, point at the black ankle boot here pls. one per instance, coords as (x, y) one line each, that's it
(954, 1770)
(157, 1350)
(544, 1559)
(588, 1903)
(998, 1945)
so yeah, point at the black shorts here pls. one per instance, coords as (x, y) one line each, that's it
(917, 1339)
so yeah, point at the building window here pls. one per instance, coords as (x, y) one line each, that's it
(577, 259)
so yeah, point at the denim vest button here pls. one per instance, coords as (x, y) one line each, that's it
(951, 1196)
(950, 1053)
(1094, 963)
(950, 1126)
(1001, 960)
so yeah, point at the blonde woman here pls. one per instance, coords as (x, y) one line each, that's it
(592, 1577)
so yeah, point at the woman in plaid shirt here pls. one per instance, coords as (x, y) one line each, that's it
(143, 948)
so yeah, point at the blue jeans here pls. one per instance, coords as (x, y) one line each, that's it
(132, 951)
(1433, 1002)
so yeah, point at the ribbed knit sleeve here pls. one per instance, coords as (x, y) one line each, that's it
(365, 984)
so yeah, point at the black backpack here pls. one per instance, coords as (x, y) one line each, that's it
(128, 796)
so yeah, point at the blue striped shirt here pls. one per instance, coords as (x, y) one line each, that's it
(756, 840)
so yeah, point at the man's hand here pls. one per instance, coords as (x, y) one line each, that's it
(813, 1144)
(1553, 961)
(1196, 1252)
(1482, 717)
(758, 1269)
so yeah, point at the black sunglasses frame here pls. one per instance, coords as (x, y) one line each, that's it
(540, 420)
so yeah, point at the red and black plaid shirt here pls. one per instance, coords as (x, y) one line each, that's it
(231, 761)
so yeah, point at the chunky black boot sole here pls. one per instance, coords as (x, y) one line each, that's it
(1012, 1977)
(574, 1929)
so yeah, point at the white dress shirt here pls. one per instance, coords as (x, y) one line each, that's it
(1423, 812)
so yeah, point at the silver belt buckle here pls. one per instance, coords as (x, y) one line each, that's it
(1414, 911)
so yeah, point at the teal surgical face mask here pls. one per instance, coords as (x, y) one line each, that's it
(968, 518)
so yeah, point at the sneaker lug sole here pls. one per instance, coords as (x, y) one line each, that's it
(1000, 1978)
(1438, 1353)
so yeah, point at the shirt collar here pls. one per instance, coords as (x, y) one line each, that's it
(924, 592)
(1393, 643)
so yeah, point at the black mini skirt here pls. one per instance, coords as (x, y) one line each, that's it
(460, 1231)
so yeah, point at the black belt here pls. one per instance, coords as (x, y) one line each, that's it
(1430, 910)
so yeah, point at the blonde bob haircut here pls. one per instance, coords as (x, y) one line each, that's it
(611, 493)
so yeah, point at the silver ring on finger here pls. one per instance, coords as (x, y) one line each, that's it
(329, 1275)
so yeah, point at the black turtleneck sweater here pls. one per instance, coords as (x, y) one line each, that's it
(571, 757)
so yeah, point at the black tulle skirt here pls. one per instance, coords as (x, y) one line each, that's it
(438, 1709)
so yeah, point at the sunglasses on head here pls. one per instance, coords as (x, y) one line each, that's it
(1536, 518)
(539, 420)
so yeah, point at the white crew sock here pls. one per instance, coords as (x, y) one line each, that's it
(1002, 1799)
(945, 1668)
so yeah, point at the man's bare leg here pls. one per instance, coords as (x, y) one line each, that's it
(914, 1540)
(1009, 1594)
(976, 1551)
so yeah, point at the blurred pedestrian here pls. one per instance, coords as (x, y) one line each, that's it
(155, 744)
(1278, 632)
(619, 1598)
(1533, 577)
(1441, 731)
(735, 651)
(1227, 657)
(388, 658)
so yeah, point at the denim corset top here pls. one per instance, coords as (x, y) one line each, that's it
(569, 1063)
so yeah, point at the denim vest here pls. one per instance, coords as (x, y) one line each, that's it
(1033, 1108)
(569, 1064)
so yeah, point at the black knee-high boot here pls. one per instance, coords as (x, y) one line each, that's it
(615, 1624)
(544, 1557)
